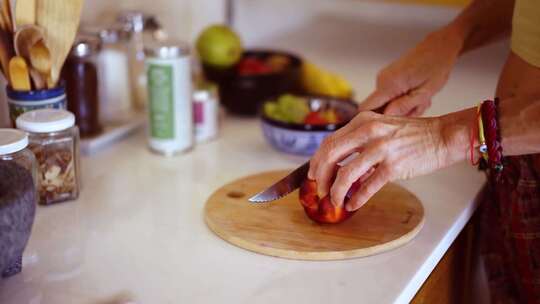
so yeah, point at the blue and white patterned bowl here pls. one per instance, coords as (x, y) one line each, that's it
(305, 139)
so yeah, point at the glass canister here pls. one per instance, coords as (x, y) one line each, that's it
(115, 102)
(81, 76)
(17, 199)
(169, 98)
(14, 148)
(143, 29)
(54, 139)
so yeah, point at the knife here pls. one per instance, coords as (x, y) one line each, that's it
(285, 186)
(294, 180)
(291, 182)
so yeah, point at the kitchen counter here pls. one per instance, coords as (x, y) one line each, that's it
(137, 231)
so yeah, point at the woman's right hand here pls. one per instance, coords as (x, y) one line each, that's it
(406, 86)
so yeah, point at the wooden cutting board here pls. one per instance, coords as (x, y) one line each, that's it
(390, 219)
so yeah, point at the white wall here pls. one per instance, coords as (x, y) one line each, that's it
(183, 19)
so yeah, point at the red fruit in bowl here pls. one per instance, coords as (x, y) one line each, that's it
(253, 66)
(315, 118)
(322, 210)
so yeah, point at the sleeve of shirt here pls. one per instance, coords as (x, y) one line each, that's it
(526, 31)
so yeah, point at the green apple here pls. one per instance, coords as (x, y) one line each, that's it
(219, 46)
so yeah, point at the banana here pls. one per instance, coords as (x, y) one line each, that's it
(322, 82)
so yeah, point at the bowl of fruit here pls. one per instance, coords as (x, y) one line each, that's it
(298, 124)
(257, 76)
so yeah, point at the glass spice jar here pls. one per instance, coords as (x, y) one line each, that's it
(54, 139)
(14, 148)
(81, 76)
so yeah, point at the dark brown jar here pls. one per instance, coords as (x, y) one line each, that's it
(81, 77)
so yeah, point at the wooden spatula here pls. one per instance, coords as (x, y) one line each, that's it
(18, 74)
(25, 12)
(40, 59)
(60, 21)
(7, 16)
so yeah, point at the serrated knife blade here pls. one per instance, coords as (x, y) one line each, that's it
(285, 186)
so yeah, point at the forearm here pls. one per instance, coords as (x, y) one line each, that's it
(519, 125)
(482, 22)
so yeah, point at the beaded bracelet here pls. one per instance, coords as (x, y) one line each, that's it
(489, 113)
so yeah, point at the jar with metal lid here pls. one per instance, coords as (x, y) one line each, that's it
(169, 97)
(143, 30)
(14, 148)
(115, 103)
(54, 139)
(81, 76)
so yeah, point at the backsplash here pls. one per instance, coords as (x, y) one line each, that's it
(182, 19)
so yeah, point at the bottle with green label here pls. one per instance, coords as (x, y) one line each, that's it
(170, 128)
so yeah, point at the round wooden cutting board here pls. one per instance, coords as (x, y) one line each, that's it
(390, 219)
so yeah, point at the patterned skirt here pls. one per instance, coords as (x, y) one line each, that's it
(510, 231)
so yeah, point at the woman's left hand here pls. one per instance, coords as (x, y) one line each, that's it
(395, 147)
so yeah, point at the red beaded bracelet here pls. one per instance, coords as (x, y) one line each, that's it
(489, 112)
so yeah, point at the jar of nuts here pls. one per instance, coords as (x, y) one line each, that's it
(54, 139)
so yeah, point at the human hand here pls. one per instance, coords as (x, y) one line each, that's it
(390, 147)
(407, 85)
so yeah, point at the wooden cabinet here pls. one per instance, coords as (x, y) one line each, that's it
(450, 281)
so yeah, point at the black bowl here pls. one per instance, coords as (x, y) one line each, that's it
(243, 94)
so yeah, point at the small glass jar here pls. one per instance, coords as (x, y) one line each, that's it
(14, 148)
(113, 74)
(81, 76)
(54, 139)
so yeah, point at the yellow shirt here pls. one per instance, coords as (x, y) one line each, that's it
(526, 31)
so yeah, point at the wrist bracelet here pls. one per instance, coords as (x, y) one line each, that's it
(490, 123)
(478, 130)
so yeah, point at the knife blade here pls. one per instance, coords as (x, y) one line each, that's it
(285, 186)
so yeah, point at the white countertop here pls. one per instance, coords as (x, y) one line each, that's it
(137, 232)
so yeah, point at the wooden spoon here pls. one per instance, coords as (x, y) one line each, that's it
(18, 74)
(25, 12)
(60, 21)
(40, 59)
(25, 37)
